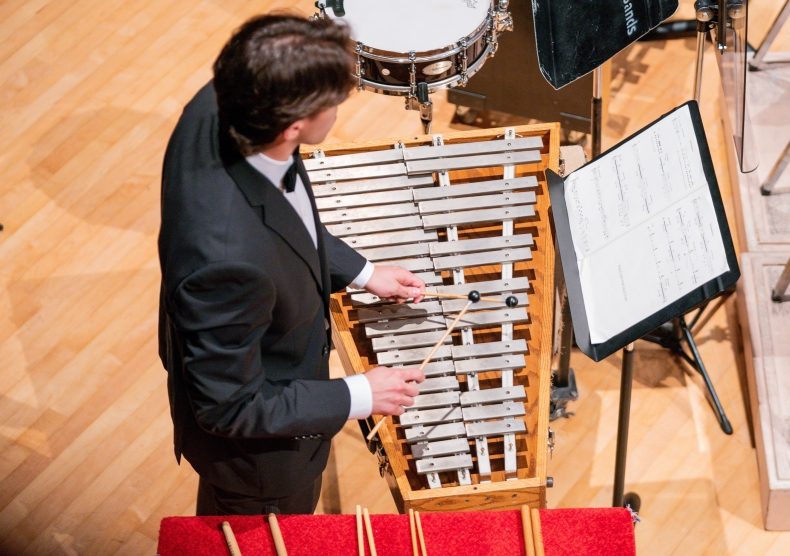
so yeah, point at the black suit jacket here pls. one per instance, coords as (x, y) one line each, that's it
(243, 310)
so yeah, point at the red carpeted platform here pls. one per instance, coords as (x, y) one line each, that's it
(577, 532)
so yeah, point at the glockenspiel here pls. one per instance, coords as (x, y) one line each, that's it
(464, 211)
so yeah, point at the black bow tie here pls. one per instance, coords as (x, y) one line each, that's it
(289, 179)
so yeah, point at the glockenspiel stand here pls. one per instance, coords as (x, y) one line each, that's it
(563, 379)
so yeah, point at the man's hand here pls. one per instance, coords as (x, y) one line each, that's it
(392, 390)
(394, 283)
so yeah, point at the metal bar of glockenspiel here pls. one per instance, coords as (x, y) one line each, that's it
(509, 173)
(458, 278)
(464, 478)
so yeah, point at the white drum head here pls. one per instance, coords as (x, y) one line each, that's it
(418, 25)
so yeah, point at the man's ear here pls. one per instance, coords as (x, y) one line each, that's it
(293, 131)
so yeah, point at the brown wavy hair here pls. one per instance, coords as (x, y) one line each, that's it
(277, 69)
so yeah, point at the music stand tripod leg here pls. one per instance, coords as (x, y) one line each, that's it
(696, 362)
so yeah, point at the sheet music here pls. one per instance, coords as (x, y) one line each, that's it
(644, 226)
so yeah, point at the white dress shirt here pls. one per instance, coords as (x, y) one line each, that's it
(274, 170)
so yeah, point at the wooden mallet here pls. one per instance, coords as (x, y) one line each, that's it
(473, 297)
(511, 301)
(277, 536)
(230, 538)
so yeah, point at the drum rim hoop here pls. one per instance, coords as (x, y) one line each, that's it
(380, 55)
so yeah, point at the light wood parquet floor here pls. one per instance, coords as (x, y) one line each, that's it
(89, 93)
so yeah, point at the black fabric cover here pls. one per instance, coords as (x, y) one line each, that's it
(576, 36)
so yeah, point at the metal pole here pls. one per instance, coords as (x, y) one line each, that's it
(626, 381)
(596, 121)
(704, 15)
(698, 67)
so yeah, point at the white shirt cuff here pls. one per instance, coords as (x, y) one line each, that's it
(361, 396)
(362, 278)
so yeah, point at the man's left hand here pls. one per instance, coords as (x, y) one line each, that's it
(394, 283)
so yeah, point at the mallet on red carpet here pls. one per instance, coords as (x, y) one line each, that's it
(369, 530)
(536, 533)
(419, 533)
(279, 544)
(413, 530)
(526, 526)
(230, 538)
(360, 532)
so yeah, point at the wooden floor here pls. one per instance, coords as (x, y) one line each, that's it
(89, 93)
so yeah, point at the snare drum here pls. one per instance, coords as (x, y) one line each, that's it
(438, 42)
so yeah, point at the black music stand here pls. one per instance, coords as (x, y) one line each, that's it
(674, 334)
(677, 307)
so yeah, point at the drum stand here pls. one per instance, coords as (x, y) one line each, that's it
(422, 102)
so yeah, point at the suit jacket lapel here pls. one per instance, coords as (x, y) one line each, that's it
(319, 230)
(278, 214)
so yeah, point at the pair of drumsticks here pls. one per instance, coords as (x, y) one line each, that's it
(415, 527)
(233, 546)
(530, 524)
(533, 537)
(473, 297)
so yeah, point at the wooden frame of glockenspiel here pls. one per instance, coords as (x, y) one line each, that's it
(409, 489)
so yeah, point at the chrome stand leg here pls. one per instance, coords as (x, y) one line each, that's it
(778, 293)
(776, 172)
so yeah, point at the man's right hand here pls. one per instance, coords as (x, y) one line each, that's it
(391, 388)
